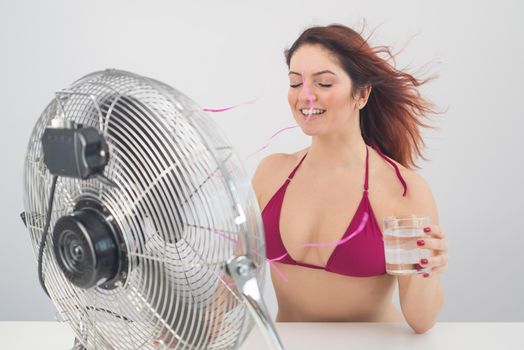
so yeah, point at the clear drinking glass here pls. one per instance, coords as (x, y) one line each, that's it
(400, 244)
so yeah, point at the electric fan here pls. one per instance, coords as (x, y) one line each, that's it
(147, 231)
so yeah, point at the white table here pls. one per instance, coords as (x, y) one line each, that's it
(323, 336)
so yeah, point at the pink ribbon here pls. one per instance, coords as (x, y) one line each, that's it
(218, 110)
(222, 234)
(309, 96)
(278, 271)
(270, 261)
(279, 258)
(269, 141)
(229, 284)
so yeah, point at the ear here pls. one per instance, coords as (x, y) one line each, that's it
(364, 95)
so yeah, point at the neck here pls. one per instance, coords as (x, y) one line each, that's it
(337, 151)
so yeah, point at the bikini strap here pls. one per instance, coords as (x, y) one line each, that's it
(294, 170)
(394, 166)
(366, 179)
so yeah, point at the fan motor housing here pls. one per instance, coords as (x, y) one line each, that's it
(76, 151)
(88, 247)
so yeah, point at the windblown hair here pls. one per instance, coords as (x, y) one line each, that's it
(395, 110)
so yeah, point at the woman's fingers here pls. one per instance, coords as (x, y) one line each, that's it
(435, 261)
(440, 244)
(436, 242)
(434, 231)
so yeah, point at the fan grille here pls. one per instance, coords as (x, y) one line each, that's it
(180, 206)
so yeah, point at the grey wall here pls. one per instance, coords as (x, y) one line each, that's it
(224, 52)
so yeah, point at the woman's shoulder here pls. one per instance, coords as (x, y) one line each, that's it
(414, 180)
(272, 171)
(277, 162)
(410, 176)
(419, 197)
(418, 189)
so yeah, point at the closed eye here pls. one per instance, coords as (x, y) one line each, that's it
(319, 84)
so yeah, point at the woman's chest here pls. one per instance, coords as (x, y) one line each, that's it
(315, 213)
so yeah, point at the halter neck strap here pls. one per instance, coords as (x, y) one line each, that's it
(394, 166)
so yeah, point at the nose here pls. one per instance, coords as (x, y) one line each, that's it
(306, 94)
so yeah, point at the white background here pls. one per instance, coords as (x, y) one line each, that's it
(221, 53)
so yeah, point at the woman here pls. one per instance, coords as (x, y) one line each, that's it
(363, 117)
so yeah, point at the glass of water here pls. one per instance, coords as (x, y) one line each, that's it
(401, 234)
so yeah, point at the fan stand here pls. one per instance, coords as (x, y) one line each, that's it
(243, 271)
(77, 345)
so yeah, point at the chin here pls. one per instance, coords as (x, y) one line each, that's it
(309, 131)
(310, 128)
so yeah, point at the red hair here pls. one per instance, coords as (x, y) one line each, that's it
(395, 110)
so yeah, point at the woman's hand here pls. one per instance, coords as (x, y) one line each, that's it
(437, 244)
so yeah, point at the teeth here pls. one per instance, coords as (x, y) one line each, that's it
(312, 111)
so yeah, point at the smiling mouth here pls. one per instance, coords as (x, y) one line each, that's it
(310, 113)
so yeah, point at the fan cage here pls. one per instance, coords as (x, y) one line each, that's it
(183, 205)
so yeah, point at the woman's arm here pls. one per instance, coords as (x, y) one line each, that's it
(421, 298)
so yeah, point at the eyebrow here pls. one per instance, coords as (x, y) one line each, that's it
(314, 74)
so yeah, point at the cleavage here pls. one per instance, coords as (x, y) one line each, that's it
(315, 214)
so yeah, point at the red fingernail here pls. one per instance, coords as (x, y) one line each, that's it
(425, 275)
(427, 229)
(420, 242)
(418, 267)
(423, 261)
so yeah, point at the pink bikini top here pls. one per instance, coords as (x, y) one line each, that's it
(360, 252)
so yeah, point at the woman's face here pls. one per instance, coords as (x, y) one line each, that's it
(317, 80)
